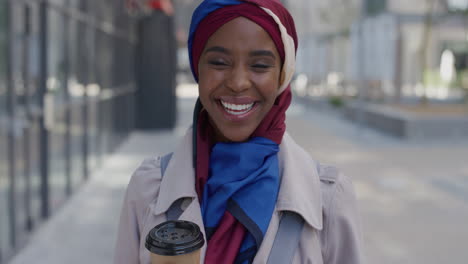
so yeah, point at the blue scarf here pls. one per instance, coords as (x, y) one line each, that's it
(244, 180)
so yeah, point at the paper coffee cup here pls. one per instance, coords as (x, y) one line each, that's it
(175, 242)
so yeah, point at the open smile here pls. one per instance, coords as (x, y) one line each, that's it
(237, 111)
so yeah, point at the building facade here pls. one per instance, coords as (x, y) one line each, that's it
(379, 52)
(66, 100)
(399, 51)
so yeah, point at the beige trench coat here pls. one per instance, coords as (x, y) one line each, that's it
(331, 233)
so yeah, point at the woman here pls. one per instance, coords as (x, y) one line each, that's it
(237, 172)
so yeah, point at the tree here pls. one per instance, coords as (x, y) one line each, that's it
(451, 8)
(460, 8)
(425, 38)
(340, 14)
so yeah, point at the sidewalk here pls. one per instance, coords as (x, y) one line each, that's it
(84, 230)
(413, 197)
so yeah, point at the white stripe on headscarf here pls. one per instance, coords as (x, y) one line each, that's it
(289, 65)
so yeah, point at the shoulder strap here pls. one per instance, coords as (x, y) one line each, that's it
(328, 174)
(174, 212)
(287, 238)
(290, 227)
(328, 177)
(164, 162)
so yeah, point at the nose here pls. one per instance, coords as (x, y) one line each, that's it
(238, 79)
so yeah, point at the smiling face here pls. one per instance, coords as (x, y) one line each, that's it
(239, 75)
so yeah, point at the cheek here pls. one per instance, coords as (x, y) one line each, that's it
(204, 81)
(207, 76)
(204, 92)
(268, 86)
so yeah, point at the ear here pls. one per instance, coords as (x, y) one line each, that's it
(281, 80)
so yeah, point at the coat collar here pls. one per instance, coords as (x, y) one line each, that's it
(299, 189)
(300, 184)
(179, 178)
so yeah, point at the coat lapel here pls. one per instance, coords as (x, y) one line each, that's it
(179, 182)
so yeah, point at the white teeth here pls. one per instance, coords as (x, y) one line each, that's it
(233, 108)
(237, 107)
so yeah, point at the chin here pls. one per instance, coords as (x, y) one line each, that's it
(233, 133)
(236, 137)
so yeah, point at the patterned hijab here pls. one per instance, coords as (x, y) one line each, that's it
(238, 183)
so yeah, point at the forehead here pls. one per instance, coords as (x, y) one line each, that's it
(241, 33)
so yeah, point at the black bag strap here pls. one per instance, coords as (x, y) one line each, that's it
(287, 238)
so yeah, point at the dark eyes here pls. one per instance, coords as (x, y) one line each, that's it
(261, 66)
(217, 63)
(255, 66)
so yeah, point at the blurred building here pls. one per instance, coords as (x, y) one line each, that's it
(66, 100)
(387, 48)
(156, 67)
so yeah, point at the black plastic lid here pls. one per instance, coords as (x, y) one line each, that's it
(174, 238)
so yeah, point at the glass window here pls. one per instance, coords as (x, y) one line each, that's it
(30, 138)
(56, 55)
(4, 183)
(56, 89)
(19, 62)
(374, 7)
(3, 42)
(75, 91)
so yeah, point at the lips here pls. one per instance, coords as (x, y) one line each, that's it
(237, 108)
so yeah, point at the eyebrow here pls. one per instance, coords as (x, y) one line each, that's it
(254, 53)
(218, 49)
(268, 53)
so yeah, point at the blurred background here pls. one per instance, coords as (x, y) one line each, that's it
(89, 88)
